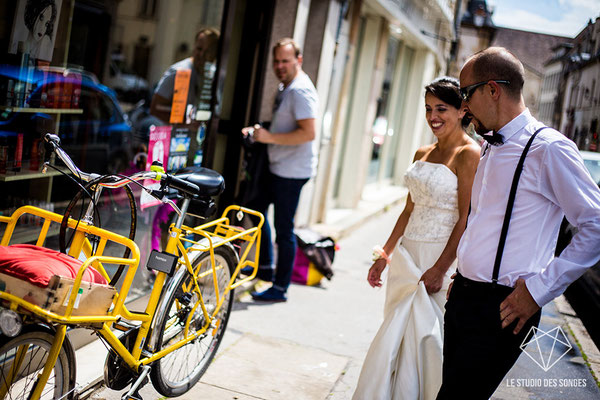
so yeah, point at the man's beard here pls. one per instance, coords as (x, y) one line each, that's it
(480, 129)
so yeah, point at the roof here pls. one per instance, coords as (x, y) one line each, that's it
(533, 49)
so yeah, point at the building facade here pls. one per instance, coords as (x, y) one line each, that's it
(478, 31)
(579, 102)
(373, 115)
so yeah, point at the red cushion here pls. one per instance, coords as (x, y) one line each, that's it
(37, 265)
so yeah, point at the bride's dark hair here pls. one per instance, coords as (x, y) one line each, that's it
(446, 89)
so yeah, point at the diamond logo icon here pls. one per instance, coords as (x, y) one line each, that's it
(546, 348)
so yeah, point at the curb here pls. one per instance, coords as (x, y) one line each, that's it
(588, 348)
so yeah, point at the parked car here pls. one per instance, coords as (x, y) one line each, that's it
(126, 83)
(86, 115)
(584, 293)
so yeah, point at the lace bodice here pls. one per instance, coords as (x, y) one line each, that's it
(434, 190)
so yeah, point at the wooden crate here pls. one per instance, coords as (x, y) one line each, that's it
(93, 299)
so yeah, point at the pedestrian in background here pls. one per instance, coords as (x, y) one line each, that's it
(506, 270)
(201, 65)
(405, 359)
(292, 162)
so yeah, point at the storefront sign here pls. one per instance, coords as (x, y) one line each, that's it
(180, 95)
(158, 150)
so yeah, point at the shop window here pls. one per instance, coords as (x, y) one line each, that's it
(381, 130)
(82, 70)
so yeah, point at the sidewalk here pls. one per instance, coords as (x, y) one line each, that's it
(555, 366)
(313, 346)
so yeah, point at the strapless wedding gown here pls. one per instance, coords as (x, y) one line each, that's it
(405, 358)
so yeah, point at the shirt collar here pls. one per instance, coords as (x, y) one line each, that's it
(515, 125)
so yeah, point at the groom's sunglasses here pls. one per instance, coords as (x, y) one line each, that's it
(468, 91)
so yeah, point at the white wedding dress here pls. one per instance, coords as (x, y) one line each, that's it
(405, 358)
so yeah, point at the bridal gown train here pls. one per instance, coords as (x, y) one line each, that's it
(404, 360)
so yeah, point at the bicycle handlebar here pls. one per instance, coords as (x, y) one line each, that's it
(169, 180)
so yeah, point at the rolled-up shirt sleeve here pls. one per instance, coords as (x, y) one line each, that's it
(564, 180)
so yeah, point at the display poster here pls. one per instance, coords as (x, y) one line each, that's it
(180, 147)
(158, 150)
(34, 30)
(180, 95)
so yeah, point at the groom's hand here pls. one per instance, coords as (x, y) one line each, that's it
(519, 305)
(450, 285)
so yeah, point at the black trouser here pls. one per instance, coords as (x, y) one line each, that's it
(478, 353)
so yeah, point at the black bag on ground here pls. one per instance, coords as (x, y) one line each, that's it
(319, 249)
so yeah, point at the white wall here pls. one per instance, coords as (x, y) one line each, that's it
(360, 118)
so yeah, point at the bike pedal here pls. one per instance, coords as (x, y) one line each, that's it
(125, 326)
(133, 396)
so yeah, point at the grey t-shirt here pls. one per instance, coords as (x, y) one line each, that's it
(164, 88)
(297, 101)
(199, 90)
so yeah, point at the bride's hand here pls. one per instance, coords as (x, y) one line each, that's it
(433, 279)
(374, 276)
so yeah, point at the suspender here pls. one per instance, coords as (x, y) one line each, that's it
(509, 207)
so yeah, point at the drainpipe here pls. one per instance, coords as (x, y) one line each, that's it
(454, 45)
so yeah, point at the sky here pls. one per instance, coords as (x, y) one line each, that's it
(556, 17)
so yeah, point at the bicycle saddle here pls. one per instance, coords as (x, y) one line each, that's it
(209, 182)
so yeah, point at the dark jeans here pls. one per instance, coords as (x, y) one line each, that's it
(284, 194)
(478, 353)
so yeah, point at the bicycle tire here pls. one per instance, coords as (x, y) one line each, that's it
(177, 372)
(38, 347)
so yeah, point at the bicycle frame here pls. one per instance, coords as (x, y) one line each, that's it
(213, 234)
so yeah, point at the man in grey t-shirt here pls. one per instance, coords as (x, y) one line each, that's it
(292, 162)
(201, 65)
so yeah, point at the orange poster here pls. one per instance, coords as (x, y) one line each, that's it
(180, 94)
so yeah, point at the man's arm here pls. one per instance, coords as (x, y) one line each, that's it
(565, 181)
(305, 132)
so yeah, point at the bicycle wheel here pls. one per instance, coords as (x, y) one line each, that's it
(33, 348)
(180, 370)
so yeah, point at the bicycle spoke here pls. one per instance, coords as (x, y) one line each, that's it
(22, 362)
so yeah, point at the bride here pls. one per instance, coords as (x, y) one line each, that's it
(405, 358)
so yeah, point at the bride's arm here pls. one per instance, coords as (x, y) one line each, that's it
(374, 276)
(466, 165)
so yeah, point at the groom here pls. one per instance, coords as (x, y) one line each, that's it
(497, 295)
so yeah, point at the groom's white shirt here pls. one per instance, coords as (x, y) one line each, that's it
(554, 181)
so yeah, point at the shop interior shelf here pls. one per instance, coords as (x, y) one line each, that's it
(43, 110)
(25, 173)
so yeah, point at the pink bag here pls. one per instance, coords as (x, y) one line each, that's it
(304, 271)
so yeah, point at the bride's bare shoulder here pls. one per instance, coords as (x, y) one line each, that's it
(423, 151)
(468, 154)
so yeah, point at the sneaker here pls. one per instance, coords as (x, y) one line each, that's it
(264, 273)
(270, 295)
